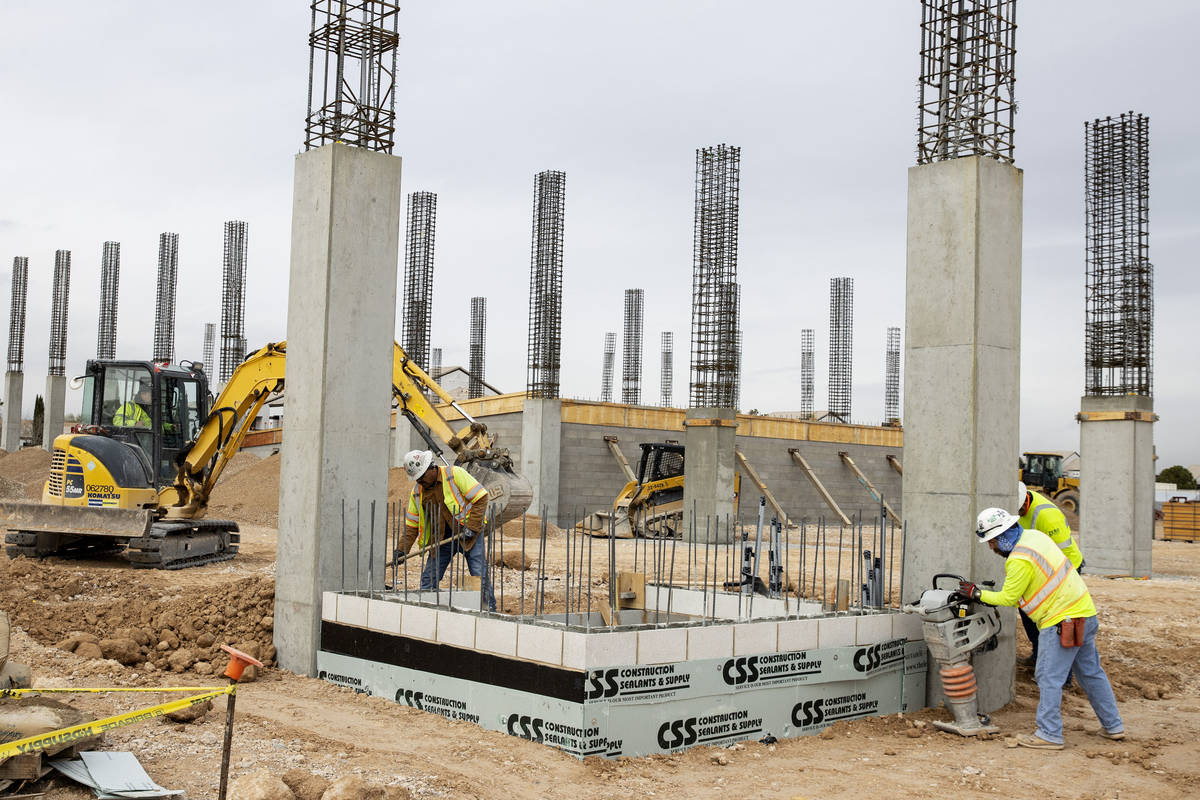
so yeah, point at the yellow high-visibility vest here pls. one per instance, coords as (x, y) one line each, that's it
(1056, 591)
(1043, 515)
(460, 491)
(131, 415)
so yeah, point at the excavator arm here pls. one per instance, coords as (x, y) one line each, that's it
(261, 376)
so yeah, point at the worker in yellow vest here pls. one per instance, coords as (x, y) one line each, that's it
(1038, 512)
(1039, 578)
(448, 508)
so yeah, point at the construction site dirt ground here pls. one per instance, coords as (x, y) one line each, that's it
(1148, 641)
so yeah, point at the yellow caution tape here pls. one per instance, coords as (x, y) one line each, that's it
(65, 736)
(73, 690)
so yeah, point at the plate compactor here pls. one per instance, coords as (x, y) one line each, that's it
(954, 627)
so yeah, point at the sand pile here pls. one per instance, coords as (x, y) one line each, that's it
(112, 614)
(250, 495)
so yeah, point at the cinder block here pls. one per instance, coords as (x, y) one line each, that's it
(730, 606)
(329, 606)
(837, 632)
(710, 641)
(755, 637)
(873, 628)
(662, 646)
(797, 634)
(540, 643)
(384, 615)
(496, 636)
(352, 610)
(574, 649)
(419, 622)
(907, 626)
(456, 629)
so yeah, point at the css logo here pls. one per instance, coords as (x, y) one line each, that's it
(737, 671)
(808, 712)
(526, 727)
(601, 683)
(410, 698)
(867, 658)
(679, 733)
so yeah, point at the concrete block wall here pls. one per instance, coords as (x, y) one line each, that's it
(590, 477)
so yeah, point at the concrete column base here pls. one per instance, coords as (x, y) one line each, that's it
(962, 382)
(709, 468)
(55, 402)
(10, 435)
(1116, 484)
(541, 451)
(341, 318)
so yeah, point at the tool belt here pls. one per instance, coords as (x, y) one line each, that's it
(1071, 631)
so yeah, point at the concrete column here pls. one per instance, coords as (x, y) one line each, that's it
(55, 403)
(709, 468)
(341, 315)
(541, 449)
(962, 382)
(14, 385)
(1116, 484)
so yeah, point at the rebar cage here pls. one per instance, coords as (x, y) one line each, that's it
(164, 307)
(58, 312)
(418, 276)
(545, 285)
(841, 347)
(233, 299)
(478, 343)
(631, 347)
(110, 278)
(16, 314)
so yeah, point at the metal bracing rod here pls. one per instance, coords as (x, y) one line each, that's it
(611, 441)
(820, 487)
(759, 483)
(866, 482)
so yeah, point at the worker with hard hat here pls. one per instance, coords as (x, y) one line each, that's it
(1041, 581)
(449, 495)
(1037, 512)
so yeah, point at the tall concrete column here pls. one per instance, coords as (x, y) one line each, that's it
(1116, 484)
(709, 469)
(341, 315)
(14, 386)
(55, 404)
(541, 450)
(962, 381)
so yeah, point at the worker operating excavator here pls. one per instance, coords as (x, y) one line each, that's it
(447, 509)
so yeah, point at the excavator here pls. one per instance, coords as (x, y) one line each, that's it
(1043, 471)
(138, 471)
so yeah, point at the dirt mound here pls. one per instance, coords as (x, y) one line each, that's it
(29, 467)
(11, 489)
(239, 462)
(251, 495)
(134, 622)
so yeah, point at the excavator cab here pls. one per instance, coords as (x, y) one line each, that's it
(156, 407)
(1043, 471)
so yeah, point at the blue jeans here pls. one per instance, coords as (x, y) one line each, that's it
(1054, 664)
(439, 559)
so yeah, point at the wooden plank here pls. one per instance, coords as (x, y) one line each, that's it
(866, 482)
(895, 462)
(611, 441)
(820, 487)
(762, 487)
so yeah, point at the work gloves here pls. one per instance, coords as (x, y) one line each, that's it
(968, 590)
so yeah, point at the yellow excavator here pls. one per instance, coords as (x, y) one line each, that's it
(138, 471)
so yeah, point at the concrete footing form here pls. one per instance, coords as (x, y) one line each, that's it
(709, 672)
(1116, 481)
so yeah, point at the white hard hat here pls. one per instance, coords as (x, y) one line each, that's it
(1022, 493)
(416, 462)
(993, 522)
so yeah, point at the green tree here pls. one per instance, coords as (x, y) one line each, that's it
(39, 420)
(1180, 476)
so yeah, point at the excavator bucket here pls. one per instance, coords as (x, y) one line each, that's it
(74, 520)
(508, 492)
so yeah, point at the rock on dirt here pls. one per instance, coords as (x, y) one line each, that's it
(191, 713)
(352, 787)
(305, 785)
(513, 560)
(260, 786)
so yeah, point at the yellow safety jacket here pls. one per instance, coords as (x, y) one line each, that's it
(1043, 515)
(1040, 579)
(131, 415)
(460, 491)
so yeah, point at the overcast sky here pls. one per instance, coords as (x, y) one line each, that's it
(126, 119)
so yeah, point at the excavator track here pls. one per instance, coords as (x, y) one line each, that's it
(35, 544)
(182, 543)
